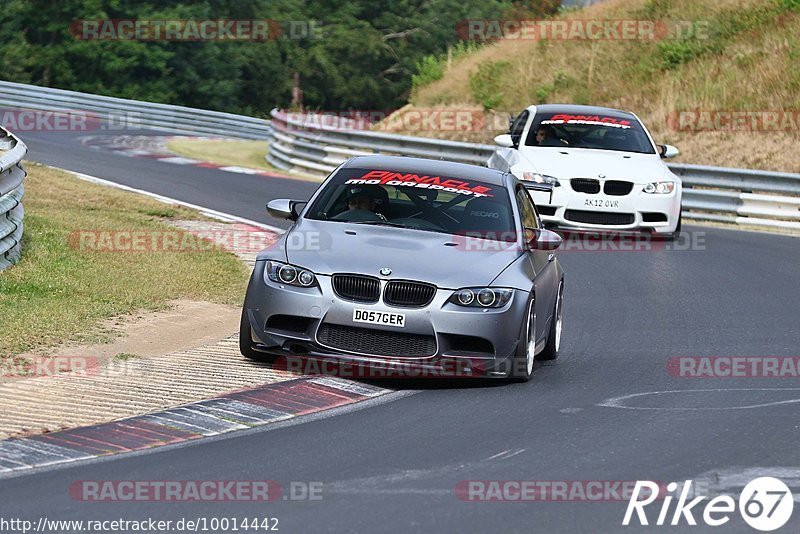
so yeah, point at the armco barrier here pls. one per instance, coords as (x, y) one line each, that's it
(12, 150)
(134, 113)
(738, 196)
(317, 149)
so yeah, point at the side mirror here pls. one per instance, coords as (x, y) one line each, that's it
(667, 151)
(504, 140)
(544, 239)
(283, 208)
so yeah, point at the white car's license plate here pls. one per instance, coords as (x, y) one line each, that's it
(601, 203)
(379, 317)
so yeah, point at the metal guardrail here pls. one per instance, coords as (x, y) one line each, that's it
(12, 175)
(738, 196)
(121, 112)
(318, 148)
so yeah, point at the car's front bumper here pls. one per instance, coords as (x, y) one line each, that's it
(286, 321)
(636, 211)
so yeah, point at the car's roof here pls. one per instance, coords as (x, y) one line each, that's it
(576, 109)
(430, 167)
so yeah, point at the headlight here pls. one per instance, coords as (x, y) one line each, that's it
(659, 188)
(481, 297)
(292, 275)
(540, 178)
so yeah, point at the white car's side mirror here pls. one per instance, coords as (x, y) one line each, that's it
(667, 151)
(504, 140)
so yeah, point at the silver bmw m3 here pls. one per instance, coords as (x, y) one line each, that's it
(395, 262)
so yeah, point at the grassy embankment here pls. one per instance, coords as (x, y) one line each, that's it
(61, 291)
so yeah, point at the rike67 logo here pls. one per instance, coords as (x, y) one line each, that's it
(765, 504)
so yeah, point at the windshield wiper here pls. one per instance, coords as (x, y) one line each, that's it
(381, 223)
(398, 225)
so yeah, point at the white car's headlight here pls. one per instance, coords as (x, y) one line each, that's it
(540, 178)
(659, 188)
(290, 274)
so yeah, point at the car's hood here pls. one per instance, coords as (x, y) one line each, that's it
(447, 261)
(589, 163)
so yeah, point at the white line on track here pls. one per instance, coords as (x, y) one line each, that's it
(505, 455)
(619, 402)
(731, 481)
(214, 214)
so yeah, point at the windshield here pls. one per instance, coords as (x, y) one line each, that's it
(605, 132)
(446, 204)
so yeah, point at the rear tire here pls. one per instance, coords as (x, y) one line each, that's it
(246, 342)
(550, 351)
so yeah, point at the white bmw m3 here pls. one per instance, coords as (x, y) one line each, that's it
(606, 170)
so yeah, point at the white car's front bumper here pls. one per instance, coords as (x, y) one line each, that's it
(635, 211)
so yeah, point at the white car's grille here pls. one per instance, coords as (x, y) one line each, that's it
(585, 185)
(617, 187)
(599, 217)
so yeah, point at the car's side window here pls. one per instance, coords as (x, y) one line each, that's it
(526, 209)
(518, 126)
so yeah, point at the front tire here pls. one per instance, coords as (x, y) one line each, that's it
(522, 362)
(246, 342)
(676, 234)
(550, 351)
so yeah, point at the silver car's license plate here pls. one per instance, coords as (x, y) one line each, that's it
(379, 317)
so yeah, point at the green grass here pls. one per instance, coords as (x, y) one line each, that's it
(487, 83)
(433, 67)
(58, 292)
(223, 152)
(241, 153)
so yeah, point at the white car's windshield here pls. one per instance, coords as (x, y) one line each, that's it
(604, 132)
